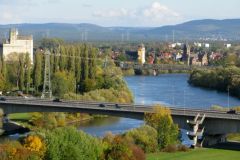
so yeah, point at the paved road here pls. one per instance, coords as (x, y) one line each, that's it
(130, 108)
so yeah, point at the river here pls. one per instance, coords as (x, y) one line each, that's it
(167, 89)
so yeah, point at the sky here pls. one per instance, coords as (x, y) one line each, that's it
(132, 13)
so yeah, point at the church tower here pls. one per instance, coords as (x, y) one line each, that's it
(141, 54)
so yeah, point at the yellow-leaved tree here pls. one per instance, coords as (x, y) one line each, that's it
(35, 143)
(161, 120)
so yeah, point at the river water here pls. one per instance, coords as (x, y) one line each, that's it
(166, 89)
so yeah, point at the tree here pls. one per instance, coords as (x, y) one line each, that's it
(118, 148)
(92, 63)
(62, 62)
(71, 59)
(162, 121)
(69, 143)
(63, 83)
(78, 68)
(85, 64)
(27, 72)
(38, 70)
(145, 137)
(21, 72)
(34, 143)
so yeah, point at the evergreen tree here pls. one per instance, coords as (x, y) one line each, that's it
(92, 63)
(4, 69)
(78, 66)
(38, 70)
(71, 62)
(27, 72)
(62, 62)
(21, 72)
(85, 67)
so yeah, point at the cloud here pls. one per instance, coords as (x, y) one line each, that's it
(8, 17)
(154, 14)
(111, 13)
(157, 10)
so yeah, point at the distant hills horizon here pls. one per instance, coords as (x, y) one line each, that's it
(206, 29)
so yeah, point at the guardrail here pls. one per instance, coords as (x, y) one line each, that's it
(123, 107)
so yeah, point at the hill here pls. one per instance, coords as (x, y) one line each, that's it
(192, 30)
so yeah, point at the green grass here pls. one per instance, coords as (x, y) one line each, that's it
(197, 154)
(234, 137)
(20, 116)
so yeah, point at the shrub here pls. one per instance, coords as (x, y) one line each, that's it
(183, 148)
(170, 148)
(145, 137)
(13, 150)
(118, 148)
(138, 153)
(69, 143)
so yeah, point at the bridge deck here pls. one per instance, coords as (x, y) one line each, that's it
(16, 105)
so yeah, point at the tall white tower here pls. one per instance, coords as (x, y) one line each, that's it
(141, 54)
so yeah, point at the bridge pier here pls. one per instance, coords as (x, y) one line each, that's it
(196, 130)
(210, 140)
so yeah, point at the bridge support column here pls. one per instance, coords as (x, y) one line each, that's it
(197, 130)
(211, 140)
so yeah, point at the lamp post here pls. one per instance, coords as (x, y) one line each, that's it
(228, 98)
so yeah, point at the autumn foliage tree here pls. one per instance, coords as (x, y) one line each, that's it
(162, 121)
(35, 143)
(120, 148)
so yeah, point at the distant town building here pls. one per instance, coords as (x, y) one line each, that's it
(16, 44)
(199, 59)
(132, 55)
(178, 57)
(207, 45)
(186, 54)
(141, 54)
(228, 45)
(173, 45)
(198, 44)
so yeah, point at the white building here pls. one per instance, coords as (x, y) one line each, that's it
(16, 44)
(198, 44)
(228, 45)
(207, 45)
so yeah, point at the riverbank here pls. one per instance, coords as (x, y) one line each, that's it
(220, 79)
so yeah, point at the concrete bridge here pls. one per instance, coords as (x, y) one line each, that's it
(213, 124)
(177, 67)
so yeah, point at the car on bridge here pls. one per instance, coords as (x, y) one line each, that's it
(117, 106)
(102, 105)
(57, 100)
(232, 111)
(2, 99)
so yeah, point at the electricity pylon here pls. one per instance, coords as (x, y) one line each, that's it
(47, 90)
